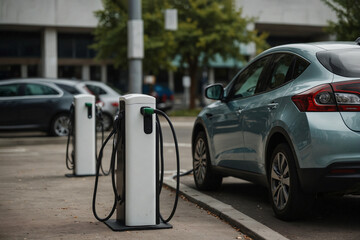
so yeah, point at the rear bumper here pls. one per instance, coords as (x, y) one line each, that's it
(338, 177)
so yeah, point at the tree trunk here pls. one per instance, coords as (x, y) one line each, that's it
(194, 84)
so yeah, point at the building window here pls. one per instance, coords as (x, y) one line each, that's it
(10, 71)
(20, 44)
(117, 77)
(70, 72)
(33, 71)
(75, 45)
(95, 73)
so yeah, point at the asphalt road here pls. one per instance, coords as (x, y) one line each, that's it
(333, 217)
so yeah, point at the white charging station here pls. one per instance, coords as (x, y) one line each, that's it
(139, 208)
(84, 135)
(137, 170)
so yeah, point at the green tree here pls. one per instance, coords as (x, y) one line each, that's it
(206, 28)
(348, 13)
(111, 35)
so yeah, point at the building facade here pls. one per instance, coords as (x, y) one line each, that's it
(51, 38)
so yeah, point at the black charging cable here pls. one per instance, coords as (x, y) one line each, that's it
(116, 140)
(145, 111)
(100, 122)
(70, 160)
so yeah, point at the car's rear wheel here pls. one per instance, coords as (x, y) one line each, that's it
(204, 177)
(60, 125)
(288, 200)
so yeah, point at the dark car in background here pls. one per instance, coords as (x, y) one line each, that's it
(31, 104)
(164, 96)
(105, 95)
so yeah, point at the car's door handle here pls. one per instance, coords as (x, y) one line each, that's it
(273, 105)
(239, 111)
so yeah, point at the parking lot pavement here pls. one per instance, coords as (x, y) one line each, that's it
(37, 201)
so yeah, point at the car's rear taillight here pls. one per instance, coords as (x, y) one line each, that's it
(340, 96)
(164, 98)
(317, 99)
(115, 104)
(347, 96)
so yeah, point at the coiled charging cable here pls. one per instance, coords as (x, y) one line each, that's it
(70, 160)
(117, 139)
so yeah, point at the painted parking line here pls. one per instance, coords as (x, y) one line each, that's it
(185, 145)
(12, 150)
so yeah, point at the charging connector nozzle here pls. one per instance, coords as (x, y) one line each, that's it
(146, 111)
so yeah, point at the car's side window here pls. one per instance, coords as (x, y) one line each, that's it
(9, 90)
(300, 66)
(69, 89)
(247, 81)
(37, 89)
(282, 70)
(95, 89)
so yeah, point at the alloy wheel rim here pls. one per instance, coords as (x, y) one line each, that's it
(200, 161)
(62, 126)
(280, 181)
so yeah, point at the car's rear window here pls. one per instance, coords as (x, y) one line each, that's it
(69, 89)
(344, 62)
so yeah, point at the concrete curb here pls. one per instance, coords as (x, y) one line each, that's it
(226, 212)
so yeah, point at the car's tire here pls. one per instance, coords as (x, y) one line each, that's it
(60, 125)
(204, 177)
(288, 200)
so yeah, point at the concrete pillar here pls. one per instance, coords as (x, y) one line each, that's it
(135, 46)
(211, 76)
(85, 72)
(104, 73)
(171, 80)
(49, 53)
(24, 71)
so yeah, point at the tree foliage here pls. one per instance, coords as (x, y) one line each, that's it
(111, 35)
(206, 28)
(348, 13)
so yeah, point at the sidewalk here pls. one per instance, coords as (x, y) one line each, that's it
(37, 201)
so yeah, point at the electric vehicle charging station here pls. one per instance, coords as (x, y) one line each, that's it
(137, 189)
(84, 162)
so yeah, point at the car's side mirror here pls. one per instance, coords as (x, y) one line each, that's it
(215, 91)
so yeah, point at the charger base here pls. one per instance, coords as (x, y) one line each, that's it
(119, 226)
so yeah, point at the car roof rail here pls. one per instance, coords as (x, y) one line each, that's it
(357, 41)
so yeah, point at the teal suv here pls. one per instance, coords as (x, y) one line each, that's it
(289, 120)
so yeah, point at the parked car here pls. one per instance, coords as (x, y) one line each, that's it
(31, 104)
(164, 96)
(289, 120)
(108, 97)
